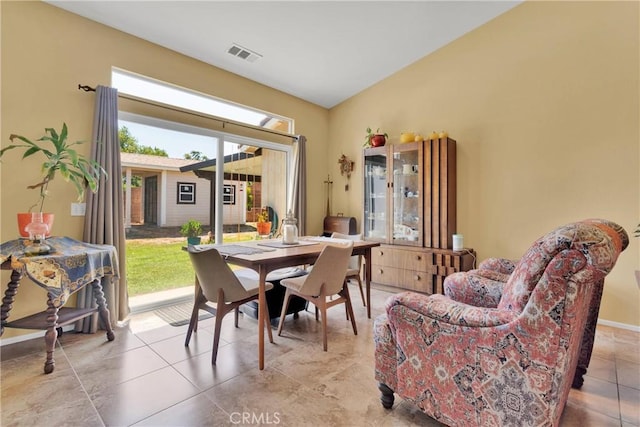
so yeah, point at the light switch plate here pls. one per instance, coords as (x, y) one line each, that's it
(78, 209)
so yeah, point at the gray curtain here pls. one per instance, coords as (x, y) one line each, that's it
(298, 202)
(104, 219)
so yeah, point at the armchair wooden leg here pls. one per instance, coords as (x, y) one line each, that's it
(235, 315)
(386, 396)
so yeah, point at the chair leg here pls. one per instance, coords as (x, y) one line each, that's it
(267, 325)
(267, 322)
(386, 396)
(235, 315)
(345, 294)
(283, 313)
(346, 283)
(193, 322)
(317, 318)
(220, 312)
(364, 302)
(323, 310)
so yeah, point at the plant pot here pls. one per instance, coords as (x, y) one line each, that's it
(25, 218)
(264, 228)
(194, 240)
(378, 140)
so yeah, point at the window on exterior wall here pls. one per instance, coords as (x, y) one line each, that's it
(186, 193)
(229, 194)
(148, 88)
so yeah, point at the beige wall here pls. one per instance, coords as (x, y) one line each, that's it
(543, 102)
(47, 52)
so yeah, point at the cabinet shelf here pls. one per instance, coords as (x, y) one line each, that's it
(66, 315)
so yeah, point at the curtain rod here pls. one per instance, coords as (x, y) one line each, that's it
(87, 88)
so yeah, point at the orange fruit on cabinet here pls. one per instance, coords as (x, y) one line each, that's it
(407, 137)
(443, 134)
(433, 135)
(418, 138)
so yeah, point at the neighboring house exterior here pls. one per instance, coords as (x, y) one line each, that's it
(170, 197)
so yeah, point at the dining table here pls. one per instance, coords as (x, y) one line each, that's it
(265, 256)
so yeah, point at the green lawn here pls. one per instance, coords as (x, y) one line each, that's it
(154, 266)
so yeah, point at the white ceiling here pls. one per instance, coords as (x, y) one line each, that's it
(321, 51)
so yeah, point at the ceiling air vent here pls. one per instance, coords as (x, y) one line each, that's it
(244, 53)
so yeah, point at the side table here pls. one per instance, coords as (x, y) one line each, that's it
(68, 267)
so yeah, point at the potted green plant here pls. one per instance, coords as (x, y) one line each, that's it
(60, 156)
(375, 139)
(192, 230)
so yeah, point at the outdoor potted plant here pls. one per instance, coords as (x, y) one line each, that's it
(60, 157)
(375, 139)
(263, 225)
(192, 230)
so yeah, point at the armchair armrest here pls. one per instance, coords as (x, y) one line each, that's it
(480, 288)
(445, 310)
(500, 265)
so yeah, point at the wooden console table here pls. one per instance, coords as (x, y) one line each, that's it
(70, 266)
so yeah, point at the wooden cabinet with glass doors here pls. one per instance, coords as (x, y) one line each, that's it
(410, 208)
(392, 194)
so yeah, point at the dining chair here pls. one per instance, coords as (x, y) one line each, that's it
(354, 271)
(218, 284)
(326, 279)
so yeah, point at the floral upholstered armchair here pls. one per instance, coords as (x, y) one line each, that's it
(511, 364)
(483, 288)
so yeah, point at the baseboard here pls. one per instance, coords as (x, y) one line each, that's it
(619, 325)
(31, 336)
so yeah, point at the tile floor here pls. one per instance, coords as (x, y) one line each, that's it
(146, 377)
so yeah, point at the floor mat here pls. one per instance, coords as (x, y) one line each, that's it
(179, 314)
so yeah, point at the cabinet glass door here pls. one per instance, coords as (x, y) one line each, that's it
(376, 201)
(407, 194)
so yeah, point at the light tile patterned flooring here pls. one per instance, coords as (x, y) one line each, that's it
(146, 377)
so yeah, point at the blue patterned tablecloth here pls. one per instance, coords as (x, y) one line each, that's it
(69, 266)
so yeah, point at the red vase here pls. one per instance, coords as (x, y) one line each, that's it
(25, 218)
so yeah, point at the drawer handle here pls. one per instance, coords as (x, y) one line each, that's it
(418, 257)
(416, 277)
(380, 271)
(381, 253)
